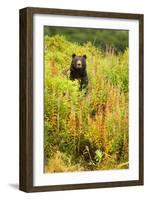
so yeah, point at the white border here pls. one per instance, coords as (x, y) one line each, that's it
(41, 179)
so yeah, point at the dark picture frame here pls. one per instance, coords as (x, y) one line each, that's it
(26, 99)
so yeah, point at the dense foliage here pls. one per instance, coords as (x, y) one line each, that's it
(88, 129)
(100, 38)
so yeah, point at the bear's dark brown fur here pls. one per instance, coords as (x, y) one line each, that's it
(78, 70)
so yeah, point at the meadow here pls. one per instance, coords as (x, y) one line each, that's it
(88, 129)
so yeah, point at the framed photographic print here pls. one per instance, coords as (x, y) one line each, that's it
(81, 99)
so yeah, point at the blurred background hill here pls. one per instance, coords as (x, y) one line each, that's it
(100, 38)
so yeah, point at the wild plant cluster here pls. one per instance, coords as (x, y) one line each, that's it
(88, 129)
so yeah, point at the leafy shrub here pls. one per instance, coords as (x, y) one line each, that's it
(84, 131)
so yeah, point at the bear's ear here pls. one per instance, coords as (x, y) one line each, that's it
(85, 56)
(73, 55)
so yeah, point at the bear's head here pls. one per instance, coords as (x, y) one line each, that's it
(79, 62)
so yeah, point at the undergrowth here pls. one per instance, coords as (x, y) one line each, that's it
(85, 131)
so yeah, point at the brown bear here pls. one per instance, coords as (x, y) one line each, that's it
(78, 70)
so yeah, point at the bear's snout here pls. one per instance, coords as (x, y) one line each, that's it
(79, 64)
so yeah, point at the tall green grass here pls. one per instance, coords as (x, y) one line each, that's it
(85, 131)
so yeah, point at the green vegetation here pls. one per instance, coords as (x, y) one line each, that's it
(100, 38)
(85, 131)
